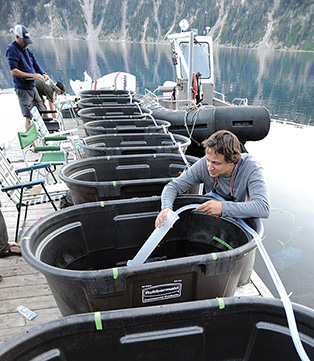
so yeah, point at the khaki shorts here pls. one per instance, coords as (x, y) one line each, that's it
(28, 99)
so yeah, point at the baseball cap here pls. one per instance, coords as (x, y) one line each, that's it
(60, 86)
(22, 32)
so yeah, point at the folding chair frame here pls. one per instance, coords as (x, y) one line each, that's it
(27, 185)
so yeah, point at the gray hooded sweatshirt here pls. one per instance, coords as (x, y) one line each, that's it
(250, 193)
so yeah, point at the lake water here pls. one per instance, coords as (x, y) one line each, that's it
(281, 81)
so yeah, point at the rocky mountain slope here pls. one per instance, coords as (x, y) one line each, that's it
(278, 24)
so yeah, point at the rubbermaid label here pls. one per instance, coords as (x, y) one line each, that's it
(161, 292)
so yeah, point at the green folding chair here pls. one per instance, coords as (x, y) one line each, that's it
(36, 153)
(30, 193)
(65, 138)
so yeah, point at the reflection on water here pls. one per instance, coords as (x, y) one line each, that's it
(286, 154)
(281, 81)
(65, 60)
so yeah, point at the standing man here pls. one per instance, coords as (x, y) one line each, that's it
(236, 177)
(25, 69)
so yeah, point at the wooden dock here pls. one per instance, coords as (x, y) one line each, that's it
(22, 285)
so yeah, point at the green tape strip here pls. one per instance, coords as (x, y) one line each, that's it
(115, 273)
(98, 322)
(221, 303)
(102, 204)
(155, 155)
(114, 183)
(214, 255)
(108, 157)
(222, 242)
(26, 238)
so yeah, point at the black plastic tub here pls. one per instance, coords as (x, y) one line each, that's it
(104, 178)
(106, 101)
(247, 328)
(126, 111)
(82, 251)
(125, 126)
(127, 144)
(105, 93)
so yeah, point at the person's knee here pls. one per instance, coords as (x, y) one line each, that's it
(27, 123)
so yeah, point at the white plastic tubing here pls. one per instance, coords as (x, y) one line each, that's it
(157, 235)
(174, 141)
(279, 285)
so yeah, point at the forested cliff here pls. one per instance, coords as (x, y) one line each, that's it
(277, 24)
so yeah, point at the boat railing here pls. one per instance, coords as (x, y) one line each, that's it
(149, 100)
(239, 101)
(219, 96)
(177, 104)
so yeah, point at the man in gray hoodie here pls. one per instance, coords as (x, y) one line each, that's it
(236, 177)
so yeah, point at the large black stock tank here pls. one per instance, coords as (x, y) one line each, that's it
(228, 329)
(116, 177)
(136, 143)
(106, 101)
(116, 126)
(122, 111)
(83, 252)
(99, 93)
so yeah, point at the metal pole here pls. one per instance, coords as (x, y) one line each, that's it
(190, 74)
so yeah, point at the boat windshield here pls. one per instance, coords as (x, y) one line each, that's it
(201, 61)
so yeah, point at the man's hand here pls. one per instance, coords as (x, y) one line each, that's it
(211, 207)
(21, 74)
(38, 76)
(162, 216)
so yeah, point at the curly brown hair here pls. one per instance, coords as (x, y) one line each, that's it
(226, 143)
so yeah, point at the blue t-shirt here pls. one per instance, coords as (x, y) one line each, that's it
(23, 60)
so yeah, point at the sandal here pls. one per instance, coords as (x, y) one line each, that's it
(10, 253)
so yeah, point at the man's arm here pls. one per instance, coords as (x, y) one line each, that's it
(21, 74)
(189, 178)
(258, 204)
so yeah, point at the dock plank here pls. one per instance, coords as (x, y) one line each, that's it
(12, 325)
(41, 301)
(22, 284)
